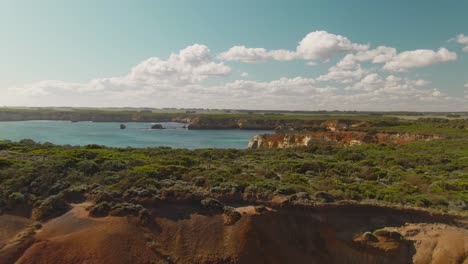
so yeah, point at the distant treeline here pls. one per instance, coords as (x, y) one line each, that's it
(146, 115)
(87, 115)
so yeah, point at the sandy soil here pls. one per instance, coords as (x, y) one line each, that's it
(10, 225)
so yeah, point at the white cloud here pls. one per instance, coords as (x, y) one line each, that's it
(370, 82)
(343, 75)
(389, 84)
(244, 54)
(321, 45)
(191, 65)
(317, 45)
(188, 78)
(419, 58)
(283, 86)
(380, 54)
(462, 39)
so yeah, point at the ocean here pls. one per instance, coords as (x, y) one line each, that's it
(137, 135)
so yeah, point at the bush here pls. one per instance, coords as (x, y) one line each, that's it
(324, 197)
(113, 165)
(51, 207)
(100, 210)
(212, 204)
(123, 209)
(88, 167)
(15, 199)
(5, 163)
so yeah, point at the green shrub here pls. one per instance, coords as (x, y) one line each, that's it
(212, 204)
(51, 207)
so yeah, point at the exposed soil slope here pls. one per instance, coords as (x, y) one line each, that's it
(10, 226)
(179, 233)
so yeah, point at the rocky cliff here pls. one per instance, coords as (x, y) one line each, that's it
(341, 138)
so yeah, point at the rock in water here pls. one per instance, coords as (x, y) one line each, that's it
(157, 126)
(122, 126)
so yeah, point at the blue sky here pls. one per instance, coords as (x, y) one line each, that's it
(54, 53)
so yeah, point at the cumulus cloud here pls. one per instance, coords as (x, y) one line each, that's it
(380, 54)
(391, 83)
(244, 54)
(282, 87)
(317, 45)
(394, 61)
(343, 75)
(189, 78)
(320, 45)
(462, 39)
(418, 58)
(191, 65)
(373, 92)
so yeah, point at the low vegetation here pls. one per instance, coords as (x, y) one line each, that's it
(432, 174)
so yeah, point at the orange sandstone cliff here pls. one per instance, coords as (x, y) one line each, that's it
(341, 138)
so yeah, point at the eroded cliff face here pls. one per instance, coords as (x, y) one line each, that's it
(181, 233)
(341, 138)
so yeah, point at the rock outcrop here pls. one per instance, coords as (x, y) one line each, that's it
(341, 138)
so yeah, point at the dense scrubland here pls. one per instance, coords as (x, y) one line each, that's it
(427, 174)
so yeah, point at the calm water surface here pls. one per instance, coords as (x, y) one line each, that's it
(136, 134)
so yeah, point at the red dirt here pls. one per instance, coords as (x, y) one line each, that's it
(10, 226)
(180, 233)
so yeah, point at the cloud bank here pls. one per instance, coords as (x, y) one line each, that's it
(363, 78)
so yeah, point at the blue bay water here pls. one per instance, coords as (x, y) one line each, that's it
(135, 135)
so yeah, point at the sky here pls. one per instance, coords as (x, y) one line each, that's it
(264, 54)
